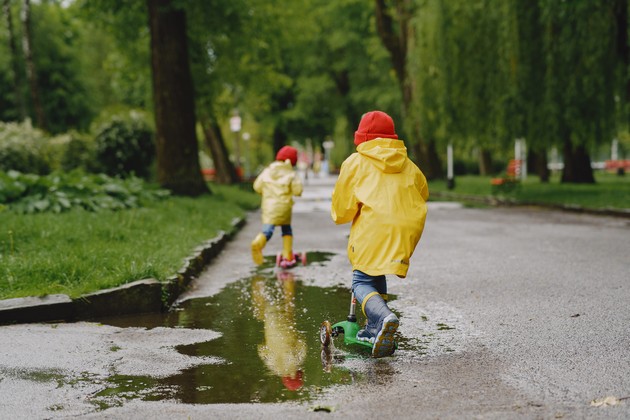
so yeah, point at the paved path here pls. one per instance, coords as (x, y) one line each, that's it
(521, 313)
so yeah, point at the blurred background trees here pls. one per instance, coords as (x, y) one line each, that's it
(476, 74)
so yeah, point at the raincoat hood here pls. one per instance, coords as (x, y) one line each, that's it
(280, 169)
(388, 155)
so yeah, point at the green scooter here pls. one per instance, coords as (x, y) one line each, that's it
(349, 328)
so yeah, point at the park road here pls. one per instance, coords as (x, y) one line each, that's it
(519, 312)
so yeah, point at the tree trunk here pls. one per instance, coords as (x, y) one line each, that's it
(178, 166)
(279, 138)
(538, 161)
(485, 162)
(623, 48)
(17, 77)
(428, 159)
(577, 164)
(396, 42)
(225, 171)
(31, 73)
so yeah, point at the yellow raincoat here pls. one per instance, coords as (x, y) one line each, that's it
(383, 193)
(278, 183)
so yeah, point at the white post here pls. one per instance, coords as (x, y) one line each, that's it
(327, 145)
(521, 156)
(235, 127)
(614, 150)
(246, 139)
(524, 159)
(450, 181)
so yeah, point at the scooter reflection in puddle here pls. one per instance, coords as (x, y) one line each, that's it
(284, 349)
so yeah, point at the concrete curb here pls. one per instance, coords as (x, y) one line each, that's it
(147, 295)
(498, 201)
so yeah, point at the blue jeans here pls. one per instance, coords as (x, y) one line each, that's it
(268, 230)
(364, 284)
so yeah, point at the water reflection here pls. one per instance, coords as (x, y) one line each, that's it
(284, 348)
(269, 325)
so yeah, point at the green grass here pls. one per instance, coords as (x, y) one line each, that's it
(80, 252)
(609, 191)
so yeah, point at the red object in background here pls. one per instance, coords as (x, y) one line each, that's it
(613, 165)
(209, 173)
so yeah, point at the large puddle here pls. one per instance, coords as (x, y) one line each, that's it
(270, 348)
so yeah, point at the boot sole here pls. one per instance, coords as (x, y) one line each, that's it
(384, 344)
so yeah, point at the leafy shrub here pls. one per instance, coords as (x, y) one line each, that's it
(53, 151)
(21, 148)
(79, 153)
(70, 151)
(59, 192)
(125, 146)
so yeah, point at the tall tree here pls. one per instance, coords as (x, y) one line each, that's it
(225, 170)
(177, 148)
(395, 29)
(528, 65)
(580, 80)
(620, 8)
(31, 71)
(16, 74)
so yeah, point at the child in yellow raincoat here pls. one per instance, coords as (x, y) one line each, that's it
(383, 193)
(278, 183)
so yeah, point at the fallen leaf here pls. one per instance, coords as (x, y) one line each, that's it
(603, 402)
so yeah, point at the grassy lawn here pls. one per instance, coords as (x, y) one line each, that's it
(609, 191)
(80, 252)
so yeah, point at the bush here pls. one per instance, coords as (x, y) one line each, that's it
(22, 149)
(60, 192)
(125, 146)
(79, 153)
(465, 167)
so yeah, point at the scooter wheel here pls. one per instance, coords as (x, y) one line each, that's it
(325, 333)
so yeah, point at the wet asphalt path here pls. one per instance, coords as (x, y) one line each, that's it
(507, 313)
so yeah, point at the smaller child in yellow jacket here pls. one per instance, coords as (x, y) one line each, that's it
(277, 184)
(383, 193)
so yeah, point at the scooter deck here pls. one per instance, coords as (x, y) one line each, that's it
(350, 330)
(300, 257)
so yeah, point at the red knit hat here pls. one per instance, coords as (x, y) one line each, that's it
(287, 152)
(375, 124)
(293, 383)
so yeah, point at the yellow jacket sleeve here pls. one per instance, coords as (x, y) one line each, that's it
(345, 205)
(296, 186)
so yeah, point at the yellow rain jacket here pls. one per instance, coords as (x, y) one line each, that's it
(383, 193)
(278, 183)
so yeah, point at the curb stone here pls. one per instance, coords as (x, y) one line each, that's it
(146, 295)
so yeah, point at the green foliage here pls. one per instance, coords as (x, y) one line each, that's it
(79, 153)
(580, 54)
(8, 103)
(61, 192)
(125, 146)
(22, 148)
(114, 51)
(64, 97)
(246, 199)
